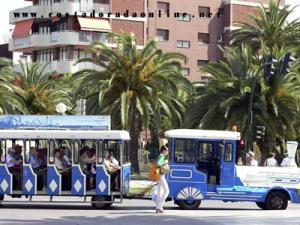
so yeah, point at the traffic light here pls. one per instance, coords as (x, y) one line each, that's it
(268, 67)
(285, 63)
(260, 132)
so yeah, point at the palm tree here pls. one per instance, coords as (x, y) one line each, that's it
(135, 86)
(270, 30)
(10, 103)
(38, 91)
(275, 104)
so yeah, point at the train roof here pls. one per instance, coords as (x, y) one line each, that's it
(65, 134)
(203, 134)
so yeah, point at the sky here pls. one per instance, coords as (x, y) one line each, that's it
(8, 5)
(5, 7)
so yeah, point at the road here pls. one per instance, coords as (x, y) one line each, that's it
(142, 212)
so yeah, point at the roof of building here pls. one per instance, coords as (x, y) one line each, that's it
(65, 134)
(203, 134)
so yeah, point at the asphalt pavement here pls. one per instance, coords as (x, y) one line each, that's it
(142, 212)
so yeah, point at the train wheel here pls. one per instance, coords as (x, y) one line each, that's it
(276, 201)
(1, 199)
(100, 202)
(261, 205)
(188, 204)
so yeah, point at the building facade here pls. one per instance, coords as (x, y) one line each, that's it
(198, 28)
(60, 33)
(57, 32)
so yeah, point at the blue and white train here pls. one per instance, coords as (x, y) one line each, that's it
(203, 167)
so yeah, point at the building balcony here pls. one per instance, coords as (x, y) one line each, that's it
(69, 66)
(60, 38)
(65, 66)
(43, 11)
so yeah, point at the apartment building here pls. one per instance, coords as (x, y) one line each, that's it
(196, 28)
(60, 32)
(200, 28)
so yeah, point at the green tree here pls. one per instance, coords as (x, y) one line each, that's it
(38, 91)
(10, 103)
(270, 30)
(135, 86)
(275, 104)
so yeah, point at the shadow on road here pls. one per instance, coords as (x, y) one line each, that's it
(149, 219)
(134, 209)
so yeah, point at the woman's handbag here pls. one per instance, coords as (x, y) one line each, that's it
(165, 168)
(154, 174)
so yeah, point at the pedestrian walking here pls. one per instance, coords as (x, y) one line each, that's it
(162, 188)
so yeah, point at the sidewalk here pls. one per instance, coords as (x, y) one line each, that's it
(141, 186)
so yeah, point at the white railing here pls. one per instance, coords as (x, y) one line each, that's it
(57, 38)
(67, 66)
(21, 42)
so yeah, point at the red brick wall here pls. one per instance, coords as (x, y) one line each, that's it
(240, 13)
(227, 15)
(130, 26)
(130, 5)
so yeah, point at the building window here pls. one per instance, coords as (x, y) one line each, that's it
(206, 78)
(85, 36)
(162, 35)
(204, 12)
(101, 1)
(183, 44)
(186, 71)
(183, 17)
(62, 54)
(203, 38)
(164, 7)
(220, 12)
(201, 62)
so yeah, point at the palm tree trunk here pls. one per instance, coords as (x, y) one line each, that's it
(134, 143)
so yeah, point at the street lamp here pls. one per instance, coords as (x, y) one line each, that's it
(61, 108)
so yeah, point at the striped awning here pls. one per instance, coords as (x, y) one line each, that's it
(94, 24)
(22, 29)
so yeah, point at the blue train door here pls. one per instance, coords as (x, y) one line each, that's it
(30, 182)
(126, 167)
(103, 179)
(6, 178)
(227, 163)
(54, 179)
(79, 178)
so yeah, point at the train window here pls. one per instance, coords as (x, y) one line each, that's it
(2, 151)
(27, 151)
(114, 147)
(228, 153)
(51, 147)
(17, 145)
(126, 152)
(76, 151)
(100, 149)
(205, 152)
(185, 151)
